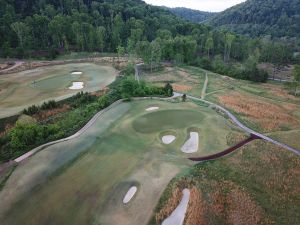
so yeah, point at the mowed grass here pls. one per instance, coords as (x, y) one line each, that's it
(23, 89)
(80, 182)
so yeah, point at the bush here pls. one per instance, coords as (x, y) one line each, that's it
(168, 89)
(49, 105)
(129, 70)
(31, 110)
(257, 75)
(204, 63)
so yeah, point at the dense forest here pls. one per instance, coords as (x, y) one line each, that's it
(192, 15)
(45, 28)
(278, 18)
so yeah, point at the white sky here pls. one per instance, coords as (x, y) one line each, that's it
(203, 5)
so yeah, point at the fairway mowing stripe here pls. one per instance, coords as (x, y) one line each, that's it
(227, 151)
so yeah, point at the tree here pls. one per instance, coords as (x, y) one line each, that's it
(296, 73)
(21, 30)
(77, 31)
(168, 89)
(100, 36)
(135, 37)
(142, 50)
(229, 38)
(293, 86)
(57, 30)
(121, 52)
(209, 44)
(155, 53)
(118, 25)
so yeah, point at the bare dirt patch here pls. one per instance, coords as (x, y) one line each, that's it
(3, 66)
(269, 116)
(181, 87)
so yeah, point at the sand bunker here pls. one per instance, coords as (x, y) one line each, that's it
(168, 139)
(76, 86)
(191, 145)
(152, 108)
(177, 216)
(131, 192)
(76, 73)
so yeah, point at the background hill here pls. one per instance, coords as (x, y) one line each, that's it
(100, 25)
(195, 16)
(279, 18)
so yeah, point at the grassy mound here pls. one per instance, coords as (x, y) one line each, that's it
(165, 120)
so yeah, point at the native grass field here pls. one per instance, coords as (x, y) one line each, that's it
(23, 89)
(84, 180)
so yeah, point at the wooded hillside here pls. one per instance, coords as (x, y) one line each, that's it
(195, 16)
(278, 18)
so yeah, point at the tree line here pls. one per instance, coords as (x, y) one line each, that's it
(45, 28)
(278, 18)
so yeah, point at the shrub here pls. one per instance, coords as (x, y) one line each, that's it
(31, 110)
(49, 105)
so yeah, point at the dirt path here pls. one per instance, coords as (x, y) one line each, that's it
(203, 94)
(17, 64)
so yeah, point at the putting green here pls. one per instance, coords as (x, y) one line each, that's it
(20, 90)
(84, 181)
(166, 119)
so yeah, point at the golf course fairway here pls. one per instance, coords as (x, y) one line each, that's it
(84, 180)
(23, 89)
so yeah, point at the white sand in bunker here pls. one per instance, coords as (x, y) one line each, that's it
(76, 73)
(191, 145)
(76, 86)
(152, 108)
(177, 216)
(131, 192)
(168, 139)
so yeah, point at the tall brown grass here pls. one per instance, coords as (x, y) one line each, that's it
(269, 116)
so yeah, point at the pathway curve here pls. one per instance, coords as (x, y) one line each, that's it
(76, 135)
(245, 128)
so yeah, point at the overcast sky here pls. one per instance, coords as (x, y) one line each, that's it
(203, 5)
